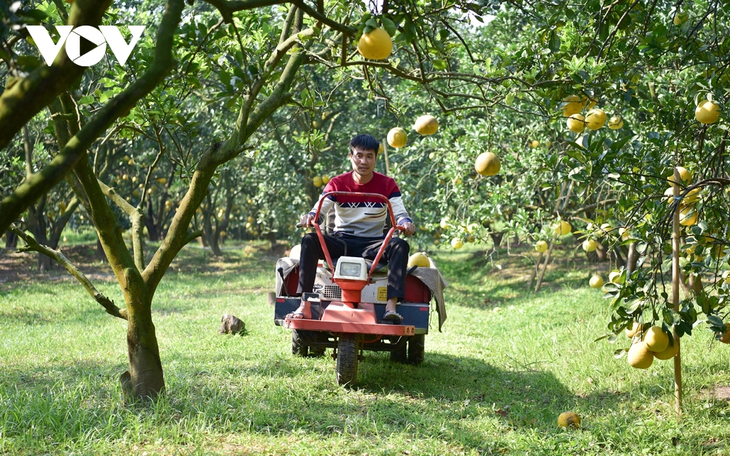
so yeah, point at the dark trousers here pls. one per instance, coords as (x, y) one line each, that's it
(343, 244)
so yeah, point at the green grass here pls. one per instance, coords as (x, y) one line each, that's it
(494, 381)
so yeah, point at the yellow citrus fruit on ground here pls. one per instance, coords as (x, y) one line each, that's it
(457, 243)
(375, 45)
(639, 356)
(656, 340)
(541, 246)
(573, 105)
(562, 228)
(534, 143)
(589, 245)
(426, 125)
(668, 352)
(487, 164)
(688, 216)
(595, 119)
(576, 123)
(615, 122)
(596, 281)
(419, 259)
(317, 181)
(569, 420)
(707, 112)
(632, 330)
(397, 137)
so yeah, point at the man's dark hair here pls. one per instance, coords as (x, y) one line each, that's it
(365, 142)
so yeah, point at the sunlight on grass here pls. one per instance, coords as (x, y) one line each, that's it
(508, 362)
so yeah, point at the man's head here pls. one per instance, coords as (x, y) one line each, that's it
(363, 153)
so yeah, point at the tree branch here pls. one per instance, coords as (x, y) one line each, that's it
(61, 259)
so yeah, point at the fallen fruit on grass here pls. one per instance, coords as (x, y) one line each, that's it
(640, 356)
(596, 281)
(569, 420)
(656, 340)
(487, 164)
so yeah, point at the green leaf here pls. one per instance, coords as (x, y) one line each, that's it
(389, 26)
(88, 99)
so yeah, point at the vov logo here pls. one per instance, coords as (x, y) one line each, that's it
(105, 34)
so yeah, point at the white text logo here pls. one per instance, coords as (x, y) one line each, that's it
(105, 34)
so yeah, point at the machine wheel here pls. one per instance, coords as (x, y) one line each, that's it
(300, 341)
(298, 345)
(399, 354)
(416, 349)
(347, 351)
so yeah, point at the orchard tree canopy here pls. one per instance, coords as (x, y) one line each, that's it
(221, 98)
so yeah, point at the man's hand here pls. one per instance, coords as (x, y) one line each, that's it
(410, 228)
(307, 220)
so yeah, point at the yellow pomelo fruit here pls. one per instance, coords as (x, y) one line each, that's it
(691, 197)
(639, 356)
(381, 148)
(615, 122)
(615, 277)
(688, 216)
(624, 233)
(562, 228)
(679, 18)
(656, 340)
(595, 119)
(541, 246)
(397, 137)
(589, 245)
(573, 105)
(456, 243)
(534, 143)
(684, 175)
(325, 179)
(487, 164)
(317, 181)
(375, 45)
(632, 330)
(444, 224)
(707, 112)
(161, 180)
(295, 251)
(576, 123)
(419, 259)
(668, 352)
(250, 219)
(596, 281)
(426, 125)
(569, 420)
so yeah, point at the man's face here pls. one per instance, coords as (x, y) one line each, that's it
(363, 161)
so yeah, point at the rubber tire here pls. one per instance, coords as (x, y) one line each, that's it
(400, 353)
(298, 345)
(416, 349)
(348, 348)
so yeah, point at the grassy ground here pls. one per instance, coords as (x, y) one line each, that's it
(494, 381)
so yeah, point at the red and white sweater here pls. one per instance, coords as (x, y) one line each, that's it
(357, 214)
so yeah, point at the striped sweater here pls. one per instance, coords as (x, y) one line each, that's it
(359, 215)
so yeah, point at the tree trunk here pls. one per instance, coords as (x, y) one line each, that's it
(145, 378)
(11, 240)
